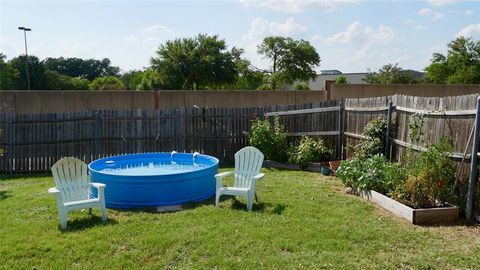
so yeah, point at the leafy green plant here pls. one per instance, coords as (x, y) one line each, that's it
(374, 144)
(301, 86)
(106, 83)
(310, 150)
(342, 79)
(268, 138)
(430, 176)
(375, 173)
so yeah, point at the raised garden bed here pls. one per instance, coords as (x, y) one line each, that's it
(416, 216)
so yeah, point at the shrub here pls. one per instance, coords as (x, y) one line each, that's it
(374, 144)
(265, 86)
(271, 140)
(342, 79)
(375, 173)
(106, 83)
(430, 176)
(301, 86)
(310, 150)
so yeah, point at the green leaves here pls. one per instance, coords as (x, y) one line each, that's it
(292, 60)
(461, 65)
(202, 62)
(390, 74)
(271, 140)
(310, 150)
(374, 144)
(106, 83)
(375, 173)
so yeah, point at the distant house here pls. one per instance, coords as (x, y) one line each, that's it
(331, 75)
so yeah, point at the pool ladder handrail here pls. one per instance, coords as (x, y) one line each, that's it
(195, 154)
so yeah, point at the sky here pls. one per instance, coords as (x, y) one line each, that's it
(349, 35)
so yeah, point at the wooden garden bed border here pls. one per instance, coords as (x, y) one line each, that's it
(426, 216)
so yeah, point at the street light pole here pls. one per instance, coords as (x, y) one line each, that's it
(25, 29)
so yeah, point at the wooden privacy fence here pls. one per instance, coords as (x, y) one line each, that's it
(34, 142)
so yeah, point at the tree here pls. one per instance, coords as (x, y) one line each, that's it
(150, 80)
(202, 62)
(38, 79)
(57, 81)
(461, 65)
(390, 74)
(292, 60)
(341, 80)
(8, 74)
(77, 67)
(132, 79)
(302, 86)
(106, 83)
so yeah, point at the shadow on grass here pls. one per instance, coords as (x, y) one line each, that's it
(80, 224)
(262, 207)
(4, 194)
(8, 177)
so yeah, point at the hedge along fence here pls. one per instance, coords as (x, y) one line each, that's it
(34, 142)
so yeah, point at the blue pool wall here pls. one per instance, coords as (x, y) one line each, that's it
(139, 191)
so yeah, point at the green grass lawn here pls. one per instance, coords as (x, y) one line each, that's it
(303, 220)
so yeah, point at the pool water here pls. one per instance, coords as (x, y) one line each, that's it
(154, 169)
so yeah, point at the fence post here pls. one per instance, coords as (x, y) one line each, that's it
(472, 182)
(177, 130)
(388, 137)
(340, 130)
(10, 137)
(97, 134)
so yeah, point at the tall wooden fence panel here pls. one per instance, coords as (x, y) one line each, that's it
(34, 142)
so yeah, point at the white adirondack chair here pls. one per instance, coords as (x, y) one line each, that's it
(248, 162)
(72, 190)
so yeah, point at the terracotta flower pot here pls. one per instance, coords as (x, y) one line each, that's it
(334, 164)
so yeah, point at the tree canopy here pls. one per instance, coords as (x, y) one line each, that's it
(202, 62)
(82, 68)
(106, 83)
(461, 65)
(8, 74)
(292, 60)
(390, 74)
(36, 69)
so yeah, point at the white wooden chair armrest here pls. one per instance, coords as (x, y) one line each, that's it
(98, 185)
(101, 190)
(258, 176)
(223, 174)
(219, 177)
(54, 191)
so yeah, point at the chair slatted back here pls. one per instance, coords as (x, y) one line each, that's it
(248, 162)
(70, 175)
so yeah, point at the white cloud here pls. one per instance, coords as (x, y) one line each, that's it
(157, 29)
(262, 27)
(441, 2)
(472, 30)
(131, 38)
(426, 12)
(420, 27)
(296, 6)
(468, 12)
(152, 39)
(358, 33)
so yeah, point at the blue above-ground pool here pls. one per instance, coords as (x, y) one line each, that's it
(155, 179)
